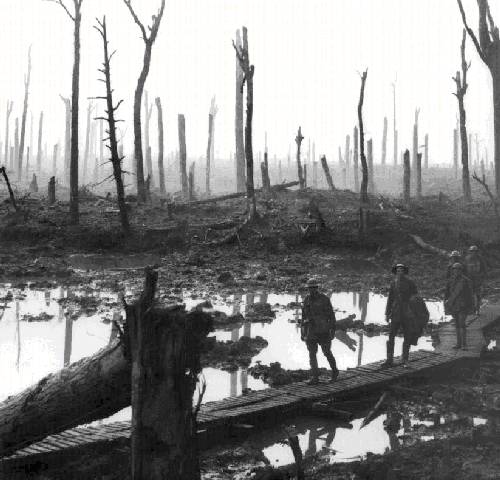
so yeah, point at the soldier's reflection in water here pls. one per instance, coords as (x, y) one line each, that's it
(392, 425)
(316, 433)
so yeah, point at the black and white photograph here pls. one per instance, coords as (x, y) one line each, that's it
(250, 240)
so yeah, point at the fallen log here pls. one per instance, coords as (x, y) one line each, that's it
(274, 188)
(428, 247)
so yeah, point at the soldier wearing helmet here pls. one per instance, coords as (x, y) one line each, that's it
(459, 302)
(397, 310)
(475, 269)
(455, 257)
(318, 328)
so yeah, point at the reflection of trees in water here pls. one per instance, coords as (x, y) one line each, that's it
(363, 304)
(47, 297)
(68, 339)
(360, 349)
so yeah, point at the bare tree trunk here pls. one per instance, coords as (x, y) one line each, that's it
(39, 151)
(51, 194)
(182, 154)
(239, 137)
(355, 160)
(418, 172)
(327, 173)
(426, 151)
(415, 141)
(395, 147)
(347, 157)
(371, 173)
(384, 142)
(209, 153)
(191, 183)
(298, 141)
(20, 157)
(406, 177)
(11, 193)
(364, 166)
(149, 39)
(111, 108)
(8, 112)
(161, 170)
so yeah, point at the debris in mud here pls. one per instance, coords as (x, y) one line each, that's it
(274, 375)
(261, 312)
(41, 317)
(232, 355)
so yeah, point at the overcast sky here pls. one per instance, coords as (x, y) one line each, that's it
(307, 57)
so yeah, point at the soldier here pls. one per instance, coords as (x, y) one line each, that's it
(459, 302)
(397, 311)
(475, 270)
(455, 257)
(318, 328)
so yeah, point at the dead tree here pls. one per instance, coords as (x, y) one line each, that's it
(76, 18)
(415, 141)
(214, 110)
(51, 193)
(101, 148)
(242, 53)
(149, 39)
(33, 185)
(148, 111)
(20, 157)
(165, 346)
(191, 182)
(461, 83)
(111, 108)
(67, 138)
(418, 173)
(488, 48)
(11, 193)
(181, 122)
(298, 141)
(238, 123)
(406, 177)
(39, 151)
(161, 170)
(10, 104)
(327, 173)
(426, 151)
(364, 166)
(371, 173)
(27, 162)
(211, 119)
(488, 192)
(355, 160)
(384, 142)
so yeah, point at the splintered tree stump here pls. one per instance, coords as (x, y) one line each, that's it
(327, 173)
(300, 174)
(52, 191)
(418, 172)
(165, 346)
(406, 177)
(182, 154)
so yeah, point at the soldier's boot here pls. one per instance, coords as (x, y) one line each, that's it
(464, 338)
(333, 365)
(390, 353)
(406, 353)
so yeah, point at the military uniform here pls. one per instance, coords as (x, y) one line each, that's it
(318, 328)
(397, 309)
(459, 302)
(475, 270)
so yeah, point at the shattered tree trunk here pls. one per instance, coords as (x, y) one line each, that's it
(300, 173)
(327, 173)
(364, 166)
(51, 196)
(39, 151)
(191, 183)
(418, 173)
(54, 159)
(415, 141)
(164, 345)
(11, 193)
(181, 122)
(23, 120)
(406, 177)
(426, 151)
(239, 138)
(116, 159)
(384, 142)
(355, 160)
(87, 144)
(209, 153)
(371, 173)
(161, 169)
(148, 109)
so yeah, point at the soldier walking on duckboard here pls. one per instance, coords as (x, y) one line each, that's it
(318, 328)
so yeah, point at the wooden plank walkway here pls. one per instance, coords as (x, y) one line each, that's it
(257, 406)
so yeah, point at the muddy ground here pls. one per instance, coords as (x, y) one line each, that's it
(187, 245)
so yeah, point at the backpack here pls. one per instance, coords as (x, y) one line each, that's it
(420, 311)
